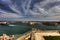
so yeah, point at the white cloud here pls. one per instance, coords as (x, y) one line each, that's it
(9, 15)
(38, 10)
(52, 13)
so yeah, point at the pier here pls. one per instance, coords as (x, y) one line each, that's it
(37, 34)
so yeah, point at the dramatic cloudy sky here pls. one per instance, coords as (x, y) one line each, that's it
(20, 10)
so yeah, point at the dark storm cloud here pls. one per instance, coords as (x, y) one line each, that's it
(50, 5)
(4, 6)
(34, 2)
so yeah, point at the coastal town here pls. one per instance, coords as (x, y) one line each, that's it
(33, 22)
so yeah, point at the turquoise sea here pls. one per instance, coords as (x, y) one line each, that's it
(20, 28)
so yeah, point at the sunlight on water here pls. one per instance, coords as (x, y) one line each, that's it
(11, 25)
